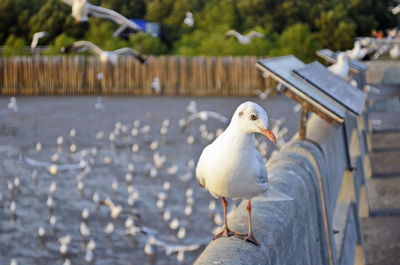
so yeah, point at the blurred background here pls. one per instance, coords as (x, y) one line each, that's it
(298, 27)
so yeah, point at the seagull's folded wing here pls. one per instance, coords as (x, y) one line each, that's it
(272, 194)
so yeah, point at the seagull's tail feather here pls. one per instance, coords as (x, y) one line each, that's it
(272, 194)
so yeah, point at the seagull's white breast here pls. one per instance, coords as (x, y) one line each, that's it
(231, 167)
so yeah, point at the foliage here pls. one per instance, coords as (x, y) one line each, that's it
(61, 41)
(298, 40)
(291, 26)
(147, 44)
(13, 46)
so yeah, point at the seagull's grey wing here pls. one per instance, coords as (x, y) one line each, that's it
(232, 33)
(130, 51)
(217, 116)
(252, 34)
(99, 11)
(189, 120)
(83, 45)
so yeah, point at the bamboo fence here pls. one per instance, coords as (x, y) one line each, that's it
(179, 76)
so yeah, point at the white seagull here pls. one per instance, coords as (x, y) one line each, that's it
(104, 56)
(395, 10)
(341, 68)
(189, 20)
(36, 37)
(13, 104)
(244, 39)
(82, 8)
(357, 53)
(394, 53)
(156, 85)
(232, 167)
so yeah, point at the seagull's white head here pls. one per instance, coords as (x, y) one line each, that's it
(251, 118)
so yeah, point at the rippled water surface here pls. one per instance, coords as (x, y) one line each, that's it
(28, 186)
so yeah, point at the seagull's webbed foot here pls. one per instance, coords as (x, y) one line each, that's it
(250, 238)
(226, 232)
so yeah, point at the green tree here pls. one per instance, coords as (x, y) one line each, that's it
(335, 30)
(146, 44)
(299, 41)
(62, 40)
(13, 46)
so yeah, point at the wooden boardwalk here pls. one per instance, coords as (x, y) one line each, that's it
(83, 75)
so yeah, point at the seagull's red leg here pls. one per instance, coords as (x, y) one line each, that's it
(226, 232)
(250, 238)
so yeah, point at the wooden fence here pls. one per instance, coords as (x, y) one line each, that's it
(179, 76)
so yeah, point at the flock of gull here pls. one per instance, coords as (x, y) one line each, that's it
(89, 194)
(81, 9)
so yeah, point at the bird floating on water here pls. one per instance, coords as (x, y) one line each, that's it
(13, 104)
(244, 39)
(156, 85)
(104, 56)
(231, 167)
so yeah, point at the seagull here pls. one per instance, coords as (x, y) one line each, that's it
(341, 68)
(394, 53)
(263, 95)
(104, 56)
(202, 115)
(231, 166)
(115, 210)
(81, 9)
(357, 53)
(156, 85)
(36, 37)
(189, 20)
(244, 39)
(13, 104)
(192, 107)
(395, 10)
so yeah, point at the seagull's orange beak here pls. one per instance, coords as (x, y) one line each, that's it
(268, 133)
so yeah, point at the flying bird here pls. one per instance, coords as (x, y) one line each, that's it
(82, 8)
(341, 68)
(244, 39)
(202, 115)
(36, 37)
(232, 167)
(104, 56)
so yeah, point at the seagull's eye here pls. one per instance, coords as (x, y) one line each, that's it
(253, 117)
